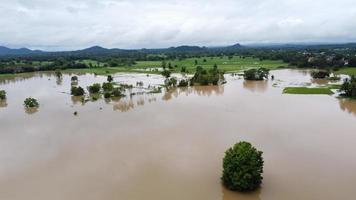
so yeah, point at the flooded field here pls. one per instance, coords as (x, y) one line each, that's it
(171, 145)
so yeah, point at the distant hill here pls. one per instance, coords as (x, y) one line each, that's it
(98, 50)
(22, 51)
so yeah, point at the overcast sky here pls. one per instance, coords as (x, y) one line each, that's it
(74, 24)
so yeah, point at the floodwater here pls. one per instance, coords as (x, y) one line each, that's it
(171, 145)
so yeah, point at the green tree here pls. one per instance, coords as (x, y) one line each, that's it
(242, 167)
(166, 73)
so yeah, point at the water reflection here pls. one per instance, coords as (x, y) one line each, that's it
(348, 105)
(232, 195)
(31, 111)
(256, 86)
(124, 105)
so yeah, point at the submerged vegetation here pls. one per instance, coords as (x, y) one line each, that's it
(242, 167)
(306, 90)
(256, 74)
(348, 88)
(2, 94)
(31, 103)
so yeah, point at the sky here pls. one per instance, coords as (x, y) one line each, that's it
(76, 24)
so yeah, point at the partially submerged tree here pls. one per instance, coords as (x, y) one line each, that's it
(242, 167)
(31, 103)
(348, 88)
(256, 74)
(74, 78)
(2, 94)
(183, 83)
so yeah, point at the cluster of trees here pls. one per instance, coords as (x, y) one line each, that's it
(256, 74)
(207, 77)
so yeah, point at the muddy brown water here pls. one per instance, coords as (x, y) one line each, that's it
(171, 145)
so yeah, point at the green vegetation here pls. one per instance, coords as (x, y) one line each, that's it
(305, 90)
(77, 91)
(347, 70)
(2, 94)
(95, 88)
(256, 74)
(207, 77)
(348, 88)
(31, 103)
(117, 93)
(242, 167)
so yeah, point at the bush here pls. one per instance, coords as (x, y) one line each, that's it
(320, 74)
(77, 91)
(256, 74)
(2, 95)
(242, 167)
(117, 92)
(107, 87)
(95, 88)
(31, 103)
(348, 88)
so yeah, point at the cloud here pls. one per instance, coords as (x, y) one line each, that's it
(67, 24)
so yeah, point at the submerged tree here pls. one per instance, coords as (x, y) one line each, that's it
(348, 88)
(242, 167)
(256, 74)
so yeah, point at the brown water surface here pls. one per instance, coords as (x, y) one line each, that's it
(171, 145)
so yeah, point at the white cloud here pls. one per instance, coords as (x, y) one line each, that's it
(68, 24)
